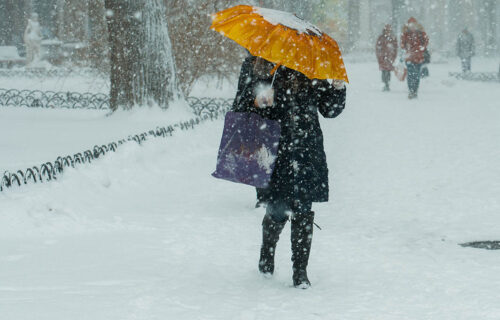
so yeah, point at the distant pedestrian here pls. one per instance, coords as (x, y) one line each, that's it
(414, 41)
(387, 50)
(465, 49)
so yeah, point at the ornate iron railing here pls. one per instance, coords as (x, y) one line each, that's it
(99, 101)
(477, 76)
(50, 99)
(52, 73)
(208, 106)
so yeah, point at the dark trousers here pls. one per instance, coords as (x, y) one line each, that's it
(302, 221)
(263, 195)
(413, 76)
(278, 209)
(386, 77)
(466, 64)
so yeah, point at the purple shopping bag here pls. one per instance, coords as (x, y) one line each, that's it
(248, 149)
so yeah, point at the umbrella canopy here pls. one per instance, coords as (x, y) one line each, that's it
(284, 39)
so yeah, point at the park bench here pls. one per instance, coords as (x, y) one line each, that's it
(9, 57)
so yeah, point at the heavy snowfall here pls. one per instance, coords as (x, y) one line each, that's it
(146, 232)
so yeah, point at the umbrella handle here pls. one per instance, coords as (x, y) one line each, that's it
(274, 72)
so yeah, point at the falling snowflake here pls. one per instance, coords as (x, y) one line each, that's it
(265, 159)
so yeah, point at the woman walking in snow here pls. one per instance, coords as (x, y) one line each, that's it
(300, 176)
(386, 50)
(414, 41)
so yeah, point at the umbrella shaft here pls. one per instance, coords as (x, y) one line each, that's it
(274, 77)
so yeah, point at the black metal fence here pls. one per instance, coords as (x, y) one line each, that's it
(99, 101)
(208, 106)
(51, 170)
(52, 73)
(50, 99)
(477, 76)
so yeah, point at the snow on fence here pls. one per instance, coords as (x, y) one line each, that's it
(50, 99)
(99, 101)
(477, 76)
(51, 73)
(204, 109)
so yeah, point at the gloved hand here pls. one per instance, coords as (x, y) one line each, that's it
(338, 84)
(265, 98)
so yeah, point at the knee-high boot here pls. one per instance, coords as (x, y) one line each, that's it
(302, 231)
(271, 231)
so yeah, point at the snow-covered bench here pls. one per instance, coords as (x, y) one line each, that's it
(9, 57)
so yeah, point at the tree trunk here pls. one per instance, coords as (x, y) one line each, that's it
(396, 16)
(142, 65)
(13, 14)
(354, 24)
(491, 45)
(98, 46)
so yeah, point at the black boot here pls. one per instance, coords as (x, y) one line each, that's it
(386, 87)
(270, 235)
(302, 231)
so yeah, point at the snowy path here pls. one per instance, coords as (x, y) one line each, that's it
(146, 233)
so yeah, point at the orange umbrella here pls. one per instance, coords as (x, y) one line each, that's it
(283, 39)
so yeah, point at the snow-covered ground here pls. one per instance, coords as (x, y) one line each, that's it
(33, 136)
(147, 233)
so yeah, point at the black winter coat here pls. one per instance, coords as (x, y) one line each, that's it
(301, 171)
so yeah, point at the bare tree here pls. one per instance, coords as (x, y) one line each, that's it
(311, 10)
(353, 24)
(13, 16)
(198, 50)
(490, 27)
(142, 63)
(74, 24)
(98, 53)
(397, 7)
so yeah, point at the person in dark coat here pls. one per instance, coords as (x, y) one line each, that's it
(414, 41)
(465, 49)
(386, 50)
(300, 176)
